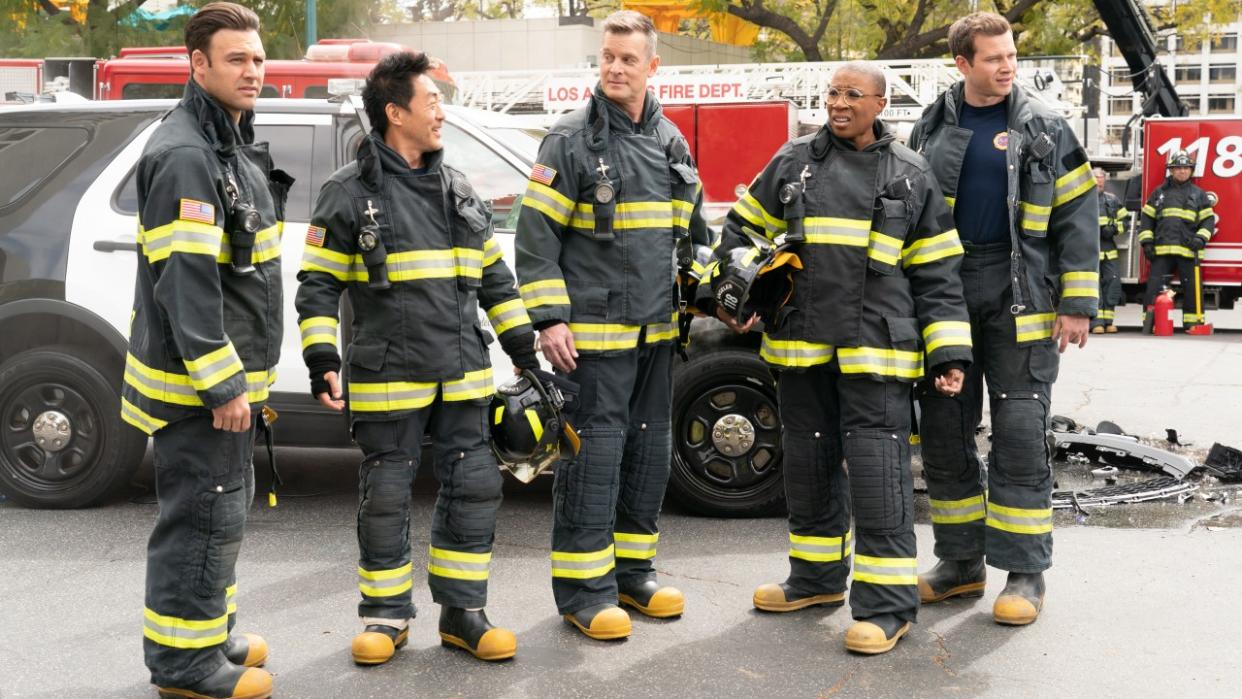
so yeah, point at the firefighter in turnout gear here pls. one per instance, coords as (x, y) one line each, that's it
(1176, 224)
(204, 338)
(878, 291)
(1112, 224)
(1021, 191)
(609, 216)
(412, 242)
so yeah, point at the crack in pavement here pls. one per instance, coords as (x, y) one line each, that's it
(840, 684)
(943, 656)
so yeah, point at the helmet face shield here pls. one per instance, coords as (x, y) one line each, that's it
(529, 434)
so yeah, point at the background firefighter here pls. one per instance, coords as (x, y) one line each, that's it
(879, 272)
(613, 199)
(413, 244)
(1113, 215)
(1176, 224)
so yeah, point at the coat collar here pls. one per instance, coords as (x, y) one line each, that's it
(217, 125)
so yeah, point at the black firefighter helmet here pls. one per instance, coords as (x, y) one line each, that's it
(688, 278)
(529, 433)
(1180, 158)
(756, 279)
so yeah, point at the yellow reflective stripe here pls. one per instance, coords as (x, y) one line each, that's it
(749, 208)
(884, 248)
(458, 565)
(536, 427)
(627, 216)
(214, 367)
(1080, 284)
(604, 336)
(341, 266)
(885, 571)
(970, 509)
(1017, 520)
(230, 603)
(178, 389)
(184, 634)
(545, 292)
(819, 549)
(830, 230)
(1145, 236)
(1175, 212)
(1204, 233)
(318, 330)
(507, 315)
(661, 332)
(1034, 216)
(385, 583)
(190, 237)
(491, 252)
(475, 384)
(1035, 326)
(1179, 250)
(1106, 314)
(946, 333)
(135, 416)
(1206, 213)
(434, 264)
(1108, 254)
(548, 201)
(266, 245)
(1105, 221)
(1149, 210)
(499, 415)
(794, 353)
(682, 211)
(931, 249)
(1072, 184)
(880, 361)
(390, 396)
(582, 566)
(951, 201)
(629, 545)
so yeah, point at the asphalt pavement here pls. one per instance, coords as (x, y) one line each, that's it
(1143, 600)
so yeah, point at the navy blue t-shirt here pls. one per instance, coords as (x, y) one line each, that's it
(981, 211)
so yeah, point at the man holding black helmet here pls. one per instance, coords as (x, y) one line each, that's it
(417, 274)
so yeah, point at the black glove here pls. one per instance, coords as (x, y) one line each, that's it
(320, 364)
(1149, 251)
(521, 349)
(1197, 243)
(942, 369)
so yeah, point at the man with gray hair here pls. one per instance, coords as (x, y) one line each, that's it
(609, 215)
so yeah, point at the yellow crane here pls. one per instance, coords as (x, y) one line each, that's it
(667, 16)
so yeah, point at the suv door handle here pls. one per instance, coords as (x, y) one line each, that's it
(116, 245)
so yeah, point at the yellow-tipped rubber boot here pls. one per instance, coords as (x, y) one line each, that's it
(603, 622)
(653, 600)
(473, 633)
(247, 649)
(378, 643)
(228, 682)
(783, 597)
(1021, 601)
(953, 579)
(875, 635)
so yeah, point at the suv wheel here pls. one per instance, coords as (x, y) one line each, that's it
(62, 441)
(726, 436)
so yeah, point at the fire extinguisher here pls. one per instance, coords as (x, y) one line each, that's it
(1163, 324)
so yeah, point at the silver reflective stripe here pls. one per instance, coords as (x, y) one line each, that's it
(886, 247)
(133, 377)
(180, 236)
(201, 374)
(950, 333)
(177, 632)
(458, 565)
(606, 336)
(1074, 183)
(1036, 521)
(632, 547)
(540, 293)
(467, 385)
(959, 513)
(865, 358)
(861, 235)
(602, 561)
(517, 311)
(326, 262)
(532, 193)
(413, 265)
(380, 585)
(797, 352)
(394, 396)
(1079, 284)
(863, 569)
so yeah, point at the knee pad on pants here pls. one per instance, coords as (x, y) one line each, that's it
(469, 500)
(220, 519)
(944, 427)
(874, 459)
(586, 486)
(1021, 454)
(383, 514)
(807, 456)
(645, 470)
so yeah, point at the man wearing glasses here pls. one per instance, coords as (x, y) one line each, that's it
(879, 272)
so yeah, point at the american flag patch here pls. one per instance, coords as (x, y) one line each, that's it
(542, 174)
(194, 210)
(315, 235)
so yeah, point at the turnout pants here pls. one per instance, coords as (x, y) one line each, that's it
(832, 423)
(1002, 512)
(204, 482)
(1110, 293)
(1190, 274)
(606, 501)
(462, 527)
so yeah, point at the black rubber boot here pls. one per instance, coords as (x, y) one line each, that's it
(378, 643)
(1021, 601)
(783, 597)
(603, 622)
(472, 632)
(246, 649)
(877, 634)
(228, 682)
(653, 600)
(953, 579)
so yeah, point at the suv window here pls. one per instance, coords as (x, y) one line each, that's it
(492, 176)
(291, 148)
(41, 151)
(152, 91)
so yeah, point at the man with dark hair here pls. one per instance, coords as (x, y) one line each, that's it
(879, 270)
(204, 340)
(416, 273)
(1020, 189)
(609, 215)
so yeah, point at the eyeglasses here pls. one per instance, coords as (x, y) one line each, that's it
(851, 96)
